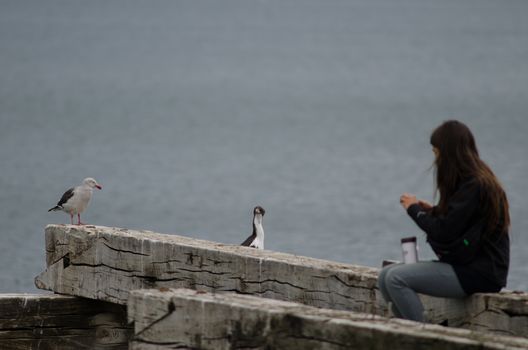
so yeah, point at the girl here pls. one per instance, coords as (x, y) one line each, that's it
(467, 229)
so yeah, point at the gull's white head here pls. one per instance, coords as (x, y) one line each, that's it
(90, 182)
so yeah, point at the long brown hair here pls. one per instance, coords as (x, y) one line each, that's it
(458, 159)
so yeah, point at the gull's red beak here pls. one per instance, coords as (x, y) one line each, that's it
(99, 187)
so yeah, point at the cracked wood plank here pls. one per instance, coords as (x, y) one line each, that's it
(107, 263)
(183, 318)
(53, 322)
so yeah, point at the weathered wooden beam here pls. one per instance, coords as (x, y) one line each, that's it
(107, 263)
(183, 318)
(55, 322)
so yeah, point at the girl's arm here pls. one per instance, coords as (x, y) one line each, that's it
(460, 215)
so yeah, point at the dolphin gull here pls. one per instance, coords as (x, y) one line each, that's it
(75, 200)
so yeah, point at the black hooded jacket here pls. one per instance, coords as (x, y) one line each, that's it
(486, 269)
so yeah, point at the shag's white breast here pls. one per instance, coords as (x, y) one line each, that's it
(258, 242)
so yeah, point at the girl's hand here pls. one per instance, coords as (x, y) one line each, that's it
(406, 200)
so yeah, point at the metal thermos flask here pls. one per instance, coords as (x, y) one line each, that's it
(409, 250)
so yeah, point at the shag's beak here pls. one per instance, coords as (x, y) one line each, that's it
(99, 187)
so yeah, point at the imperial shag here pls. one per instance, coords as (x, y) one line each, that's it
(256, 240)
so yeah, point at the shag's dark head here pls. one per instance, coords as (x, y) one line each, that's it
(259, 210)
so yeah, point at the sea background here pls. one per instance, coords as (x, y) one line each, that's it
(190, 113)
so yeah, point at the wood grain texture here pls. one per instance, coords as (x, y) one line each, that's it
(55, 322)
(183, 318)
(107, 263)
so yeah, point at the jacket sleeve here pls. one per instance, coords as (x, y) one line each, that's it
(460, 215)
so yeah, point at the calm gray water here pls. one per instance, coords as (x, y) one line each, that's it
(190, 113)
